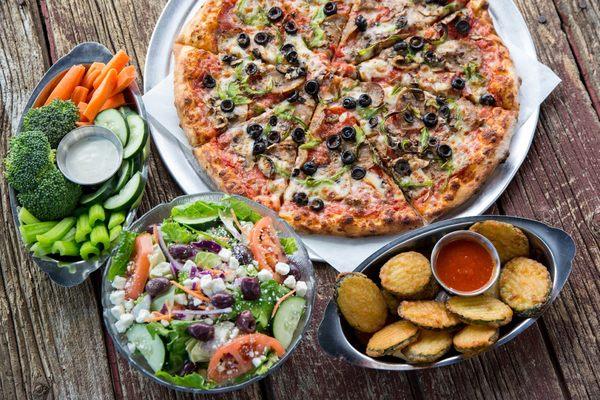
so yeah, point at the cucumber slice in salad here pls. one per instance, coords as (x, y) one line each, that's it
(99, 195)
(137, 136)
(152, 348)
(287, 318)
(113, 121)
(128, 195)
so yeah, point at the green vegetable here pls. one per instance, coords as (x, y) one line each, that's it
(65, 248)
(318, 38)
(207, 259)
(29, 156)
(258, 18)
(57, 232)
(116, 218)
(88, 250)
(99, 237)
(53, 198)
(242, 211)
(311, 144)
(262, 368)
(30, 232)
(115, 232)
(195, 213)
(122, 254)
(96, 213)
(193, 380)
(70, 236)
(423, 139)
(176, 337)
(55, 120)
(289, 245)
(176, 233)
(314, 182)
(25, 217)
(83, 228)
(408, 184)
(261, 308)
(40, 250)
(471, 71)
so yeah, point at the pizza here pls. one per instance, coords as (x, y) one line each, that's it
(350, 118)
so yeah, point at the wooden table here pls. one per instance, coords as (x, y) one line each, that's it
(52, 341)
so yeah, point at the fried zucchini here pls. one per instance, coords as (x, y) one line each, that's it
(525, 285)
(392, 338)
(428, 314)
(360, 301)
(473, 339)
(391, 301)
(509, 241)
(407, 275)
(429, 347)
(480, 310)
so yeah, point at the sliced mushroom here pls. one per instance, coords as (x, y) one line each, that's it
(375, 91)
(266, 166)
(221, 122)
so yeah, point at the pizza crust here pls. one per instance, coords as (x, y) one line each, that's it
(201, 30)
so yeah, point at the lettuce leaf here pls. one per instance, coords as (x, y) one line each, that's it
(122, 254)
(174, 232)
(242, 211)
(193, 380)
(207, 259)
(289, 245)
(261, 308)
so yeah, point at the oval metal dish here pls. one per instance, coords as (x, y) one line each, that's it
(551, 246)
(73, 273)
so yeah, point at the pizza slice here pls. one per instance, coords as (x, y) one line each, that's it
(336, 186)
(459, 56)
(440, 151)
(255, 158)
(376, 24)
(212, 95)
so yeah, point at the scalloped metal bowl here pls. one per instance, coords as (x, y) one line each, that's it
(62, 272)
(552, 247)
(157, 215)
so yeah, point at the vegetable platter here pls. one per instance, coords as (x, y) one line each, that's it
(68, 228)
(208, 293)
(407, 323)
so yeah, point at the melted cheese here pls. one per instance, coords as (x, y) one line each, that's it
(375, 68)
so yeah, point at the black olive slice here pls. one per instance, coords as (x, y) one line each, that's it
(316, 205)
(402, 168)
(361, 23)
(300, 198)
(209, 82)
(358, 173)
(227, 105)
(309, 168)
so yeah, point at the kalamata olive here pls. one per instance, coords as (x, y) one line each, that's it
(274, 14)
(222, 300)
(246, 322)
(274, 137)
(256, 54)
(440, 100)
(295, 272)
(432, 141)
(316, 205)
(242, 254)
(250, 288)
(207, 245)
(295, 172)
(300, 198)
(181, 251)
(330, 8)
(254, 130)
(201, 331)
(227, 105)
(209, 82)
(402, 22)
(188, 368)
(156, 286)
(309, 168)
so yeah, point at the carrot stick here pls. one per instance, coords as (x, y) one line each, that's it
(82, 106)
(101, 94)
(67, 84)
(285, 296)
(83, 123)
(190, 292)
(80, 94)
(126, 77)
(90, 77)
(115, 101)
(118, 62)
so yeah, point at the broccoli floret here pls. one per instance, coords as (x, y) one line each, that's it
(55, 120)
(54, 197)
(29, 155)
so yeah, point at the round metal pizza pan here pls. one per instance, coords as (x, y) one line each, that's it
(182, 165)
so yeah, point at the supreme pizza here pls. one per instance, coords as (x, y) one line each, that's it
(350, 117)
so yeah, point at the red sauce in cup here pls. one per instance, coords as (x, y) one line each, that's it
(464, 265)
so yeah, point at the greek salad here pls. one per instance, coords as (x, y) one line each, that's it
(209, 297)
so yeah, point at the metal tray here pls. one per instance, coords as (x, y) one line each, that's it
(552, 247)
(73, 273)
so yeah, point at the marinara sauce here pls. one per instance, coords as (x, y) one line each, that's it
(464, 265)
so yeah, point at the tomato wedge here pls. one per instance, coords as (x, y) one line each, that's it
(265, 246)
(137, 281)
(235, 358)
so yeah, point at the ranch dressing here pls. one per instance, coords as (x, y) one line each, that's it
(92, 159)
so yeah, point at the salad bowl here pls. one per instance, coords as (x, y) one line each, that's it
(299, 257)
(552, 247)
(68, 273)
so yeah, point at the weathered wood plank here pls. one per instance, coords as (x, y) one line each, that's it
(46, 330)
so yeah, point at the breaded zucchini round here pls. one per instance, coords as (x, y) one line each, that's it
(391, 301)
(392, 338)
(509, 241)
(428, 314)
(406, 275)
(473, 339)
(360, 302)
(525, 285)
(480, 310)
(429, 347)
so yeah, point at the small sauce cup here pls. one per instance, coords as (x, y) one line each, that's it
(89, 155)
(466, 238)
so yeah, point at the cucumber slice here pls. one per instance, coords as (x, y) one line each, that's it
(130, 192)
(167, 298)
(137, 136)
(287, 318)
(125, 174)
(113, 121)
(99, 195)
(126, 111)
(152, 348)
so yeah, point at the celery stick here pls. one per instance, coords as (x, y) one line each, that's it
(65, 248)
(25, 217)
(70, 236)
(31, 231)
(96, 214)
(114, 233)
(58, 232)
(39, 250)
(116, 218)
(99, 237)
(88, 250)
(83, 228)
